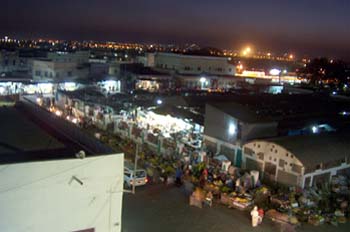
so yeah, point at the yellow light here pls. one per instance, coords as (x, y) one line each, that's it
(248, 49)
(291, 56)
(269, 54)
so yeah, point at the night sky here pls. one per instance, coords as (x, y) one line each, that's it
(313, 27)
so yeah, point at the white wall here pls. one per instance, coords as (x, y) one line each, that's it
(40, 196)
(272, 154)
(194, 65)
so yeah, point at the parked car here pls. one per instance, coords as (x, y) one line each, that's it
(129, 174)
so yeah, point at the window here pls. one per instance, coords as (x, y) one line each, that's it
(276, 151)
(296, 168)
(281, 163)
(230, 69)
(287, 154)
(140, 174)
(46, 74)
(270, 168)
(37, 73)
(248, 151)
(69, 73)
(127, 174)
(14, 62)
(199, 68)
(260, 155)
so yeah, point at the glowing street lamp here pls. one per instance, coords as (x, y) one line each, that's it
(246, 51)
(232, 129)
(203, 81)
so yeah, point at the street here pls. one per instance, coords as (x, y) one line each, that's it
(166, 208)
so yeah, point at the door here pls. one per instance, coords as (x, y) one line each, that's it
(239, 158)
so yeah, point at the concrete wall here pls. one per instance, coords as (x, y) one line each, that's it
(258, 130)
(52, 70)
(41, 196)
(287, 169)
(323, 175)
(217, 123)
(194, 65)
(79, 57)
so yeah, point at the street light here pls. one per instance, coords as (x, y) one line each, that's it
(232, 129)
(203, 81)
(159, 102)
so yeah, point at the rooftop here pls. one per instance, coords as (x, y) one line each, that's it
(315, 149)
(25, 137)
(282, 107)
(19, 134)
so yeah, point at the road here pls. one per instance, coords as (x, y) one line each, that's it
(165, 208)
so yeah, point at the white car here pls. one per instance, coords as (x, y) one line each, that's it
(129, 173)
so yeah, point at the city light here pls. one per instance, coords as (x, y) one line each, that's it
(39, 101)
(202, 80)
(246, 51)
(314, 129)
(159, 102)
(275, 72)
(58, 113)
(232, 129)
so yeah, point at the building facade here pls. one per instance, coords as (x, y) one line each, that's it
(304, 161)
(191, 65)
(49, 70)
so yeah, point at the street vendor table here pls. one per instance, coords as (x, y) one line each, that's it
(240, 203)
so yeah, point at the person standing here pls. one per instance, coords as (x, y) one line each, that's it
(178, 176)
(255, 216)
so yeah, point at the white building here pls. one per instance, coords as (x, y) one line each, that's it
(79, 57)
(190, 65)
(45, 185)
(61, 66)
(48, 70)
(62, 195)
(303, 160)
(10, 61)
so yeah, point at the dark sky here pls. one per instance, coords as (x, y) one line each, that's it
(314, 27)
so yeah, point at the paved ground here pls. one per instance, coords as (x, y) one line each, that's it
(160, 208)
